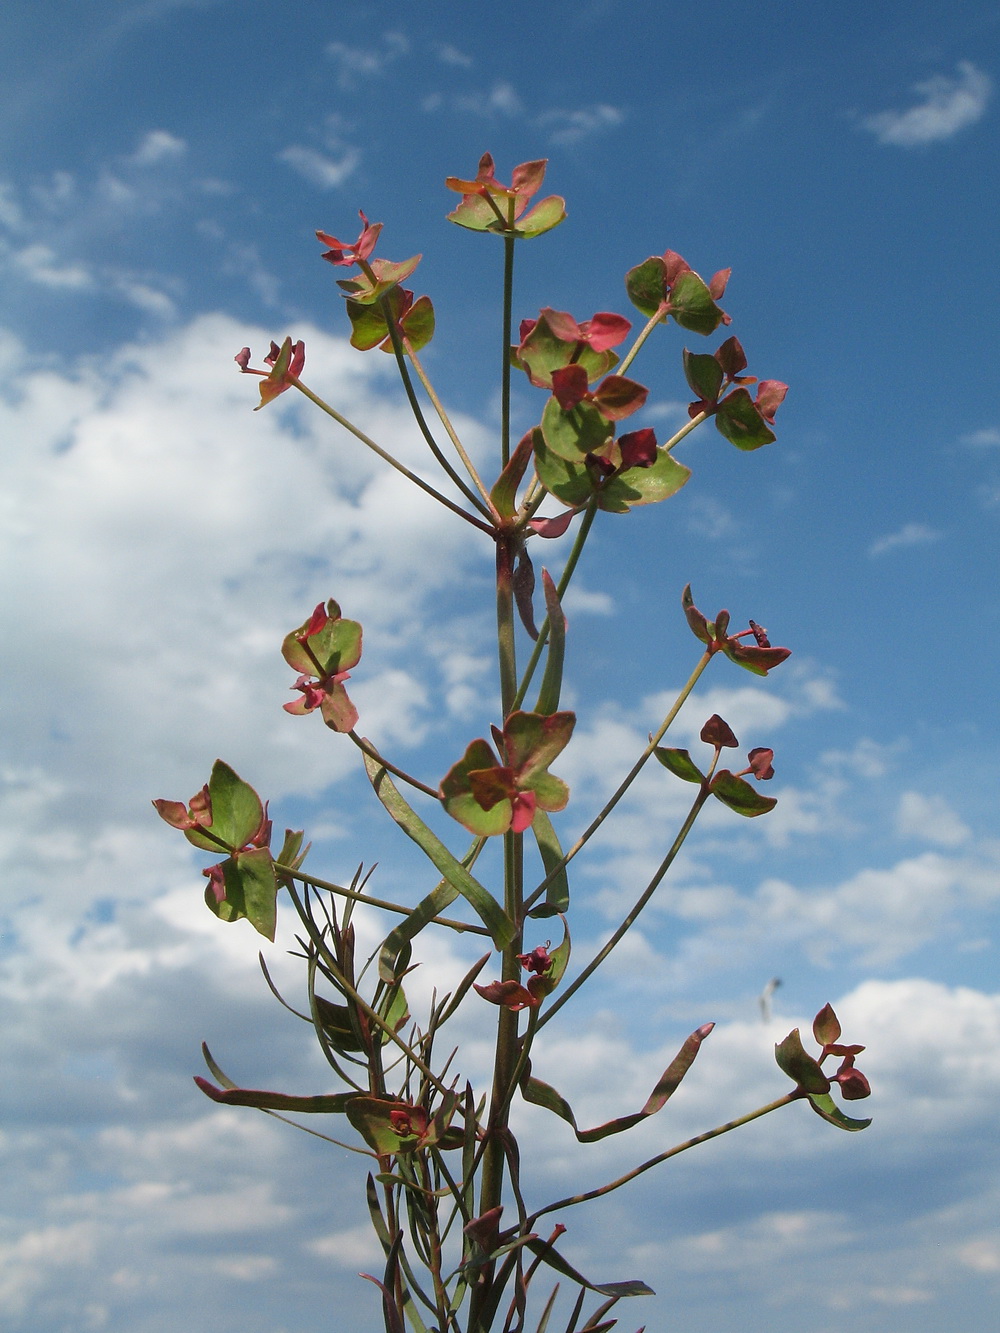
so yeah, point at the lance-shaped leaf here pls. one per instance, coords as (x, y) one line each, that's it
(250, 890)
(400, 936)
(275, 1101)
(548, 694)
(541, 1094)
(550, 1256)
(549, 849)
(504, 492)
(804, 1071)
(489, 911)
(739, 795)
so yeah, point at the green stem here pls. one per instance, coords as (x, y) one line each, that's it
(633, 351)
(582, 534)
(630, 920)
(313, 882)
(633, 773)
(686, 429)
(788, 1098)
(393, 462)
(506, 645)
(508, 301)
(470, 467)
(369, 749)
(401, 352)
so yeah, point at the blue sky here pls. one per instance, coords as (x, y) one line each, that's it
(163, 169)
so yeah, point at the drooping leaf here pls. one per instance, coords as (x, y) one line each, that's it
(276, 1101)
(824, 1105)
(541, 1094)
(550, 1256)
(680, 763)
(740, 796)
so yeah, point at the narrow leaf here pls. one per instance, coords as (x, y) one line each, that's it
(275, 1101)
(504, 492)
(557, 893)
(548, 695)
(490, 912)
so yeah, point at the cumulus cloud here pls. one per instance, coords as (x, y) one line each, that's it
(946, 106)
(910, 534)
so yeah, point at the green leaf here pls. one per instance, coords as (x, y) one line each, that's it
(574, 434)
(740, 796)
(692, 306)
(368, 326)
(335, 1020)
(418, 324)
(475, 213)
(291, 853)
(824, 1105)
(704, 374)
(805, 1072)
(548, 694)
(336, 647)
(572, 483)
(739, 421)
(532, 741)
(545, 215)
(645, 286)
(431, 906)
(251, 890)
(541, 1094)
(542, 352)
(461, 804)
(679, 763)
(237, 811)
(370, 1116)
(557, 893)
(276, 1101)
(644, 485)
(504, 492)
(489, 911)
(549, 1256)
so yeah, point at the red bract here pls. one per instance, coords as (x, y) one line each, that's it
(760, 764)
(760, 659)
(344, 253)
(526, 181)
(286, 362)
(602, 331)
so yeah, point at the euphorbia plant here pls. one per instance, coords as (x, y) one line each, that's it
(458, 1227)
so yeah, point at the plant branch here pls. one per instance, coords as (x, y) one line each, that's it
(788, 1098)
(312, 881)
(393, 462)
(627, 781)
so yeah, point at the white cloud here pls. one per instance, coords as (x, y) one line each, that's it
(318, 169)
(158, 146)
(911, 534)
(356, 63)
(930, 819)
(567, 127)
(40, 264)
(986, 438)
(947, 106)
(451, 55)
